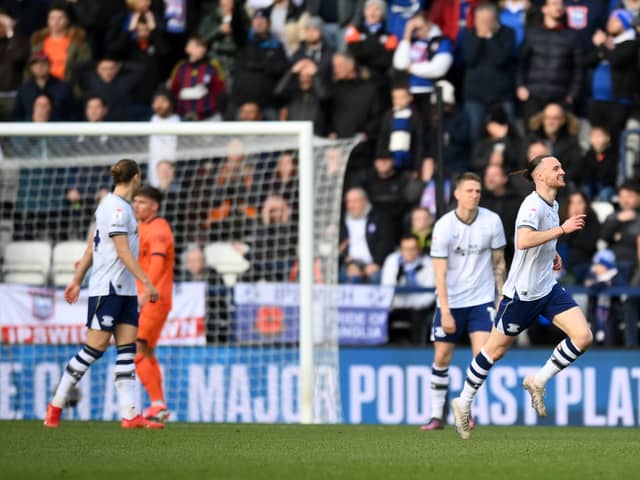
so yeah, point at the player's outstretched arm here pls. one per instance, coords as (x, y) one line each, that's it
(72, 291)
(126, 257)
(528, 238)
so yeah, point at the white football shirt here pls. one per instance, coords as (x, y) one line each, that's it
(531, 273)
(468, 248)
(114, 216)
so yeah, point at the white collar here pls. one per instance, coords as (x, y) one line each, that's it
(628, 34)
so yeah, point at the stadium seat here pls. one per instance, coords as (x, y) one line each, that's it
(27, 262)
(602, 209)
(65, 255)
(226, 260)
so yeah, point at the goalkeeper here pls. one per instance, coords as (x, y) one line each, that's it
(156, 258)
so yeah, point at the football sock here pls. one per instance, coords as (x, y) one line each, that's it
(150, 375)
(476, 375)
(73, 372)
(126, 380)
(563, 355)
(439, 387)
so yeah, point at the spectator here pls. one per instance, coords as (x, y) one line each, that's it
(113, 81)
(63, 44)
(621, 231)
(284, 182)
(42, 108)
(250, 112)
(499, 196)
(123, 28)
(14, 51)
(366, 238)
(513, 14)
(408, 267)
(598, 172)
(197, 83)
(488, 58)
(601, 274)
(426, 55)
(180, 19)
(162, 147)
(229, 197)
(96, 110)
(353, 273)
(166, 177)
(41, 82)
(372, 46)
(147, 46)
(559, 129)
(335, 14)
(499, 145)
(401, 131)
(585, 17)
(457, 144)
(632, 6)
(286, 17)
(399, 12)
(549, 69)
(29, 17)
(391, 191)
(260, 63)
(422, 228)
(621, 228)
(216, 28)
(578, 248)
(354, 110)
(273, 260)
(304, 95)
(314, 48)
(90, 15)
(194, 264)
(172, 208)
(428, 178)
(615, 78)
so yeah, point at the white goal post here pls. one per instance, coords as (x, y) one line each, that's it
(303, 133)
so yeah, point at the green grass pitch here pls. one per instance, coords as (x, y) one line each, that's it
(101, 450)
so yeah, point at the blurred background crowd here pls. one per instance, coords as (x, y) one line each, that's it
(517, 78)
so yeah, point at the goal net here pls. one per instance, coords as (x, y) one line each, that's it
(255, 210)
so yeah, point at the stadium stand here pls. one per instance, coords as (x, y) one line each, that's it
(27, 262)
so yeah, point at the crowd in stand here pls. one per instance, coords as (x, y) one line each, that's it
(517, 78)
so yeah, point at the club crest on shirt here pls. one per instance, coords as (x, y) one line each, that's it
(577, 17)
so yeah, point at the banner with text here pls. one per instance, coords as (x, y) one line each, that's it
(269, 312)
(377, 386)
(42, 316)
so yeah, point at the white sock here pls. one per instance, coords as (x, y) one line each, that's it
(73, 372)
(476, 375)
(563, 355)
(439, 387)
(126, 380)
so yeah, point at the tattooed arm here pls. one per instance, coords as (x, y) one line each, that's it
(499, 269)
